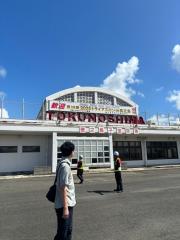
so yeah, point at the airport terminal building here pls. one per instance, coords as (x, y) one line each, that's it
(98, 122)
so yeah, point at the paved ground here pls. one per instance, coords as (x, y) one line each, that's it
(148, 209)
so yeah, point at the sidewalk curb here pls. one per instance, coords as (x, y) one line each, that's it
(94, 171)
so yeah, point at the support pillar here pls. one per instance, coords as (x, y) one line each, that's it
(144, 152)
(111, 151)
(54, 151)
(178, 148)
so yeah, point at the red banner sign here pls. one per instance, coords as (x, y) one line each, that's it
(90, 108)
(92, 117)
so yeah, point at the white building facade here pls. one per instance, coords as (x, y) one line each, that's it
(98, 122)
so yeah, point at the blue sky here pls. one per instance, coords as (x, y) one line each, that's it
(130, 46)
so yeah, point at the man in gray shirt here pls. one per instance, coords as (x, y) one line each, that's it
(65, 194)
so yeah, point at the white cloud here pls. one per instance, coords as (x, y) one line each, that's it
(159, 89)
(141, 94)
(3, 72)
(123, 76)
(176, 58)
(174, 96)
(4, 113)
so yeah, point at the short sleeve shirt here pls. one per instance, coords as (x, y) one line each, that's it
(65, 178)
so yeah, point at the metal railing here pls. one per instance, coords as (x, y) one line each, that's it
(161, 119)
(19, 109)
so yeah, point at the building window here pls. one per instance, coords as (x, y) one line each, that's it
(121, 102)
(31, 149)
(85, 97)
(8, 149)
(105, 99)
(161, 150)
(67, 98)
(93, 151)
(128, 151)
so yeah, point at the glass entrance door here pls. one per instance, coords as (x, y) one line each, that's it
(95, 151)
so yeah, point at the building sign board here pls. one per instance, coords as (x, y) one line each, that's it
(109, 130)
(92, 117)
(90, 108)
(119, 130)
(136, 130)
(92, 129)
(127, 130)
(101, 130)
(82, 130)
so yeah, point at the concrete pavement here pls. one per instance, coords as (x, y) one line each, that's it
(149, 207)
(94, 171)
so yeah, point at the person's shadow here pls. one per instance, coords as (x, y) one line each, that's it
(100, 192)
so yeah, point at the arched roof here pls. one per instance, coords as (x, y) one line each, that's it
(90, 89)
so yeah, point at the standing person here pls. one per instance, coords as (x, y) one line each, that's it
(80, 169)
(117, 171)
(65, 194)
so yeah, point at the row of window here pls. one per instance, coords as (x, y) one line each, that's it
(162, 150)
(128, 150)
(14, 149)
(105, 99)
(121, 102)
(89, 97)
(67, 98)
(132, 150)
(85, 97)
(94, 151)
